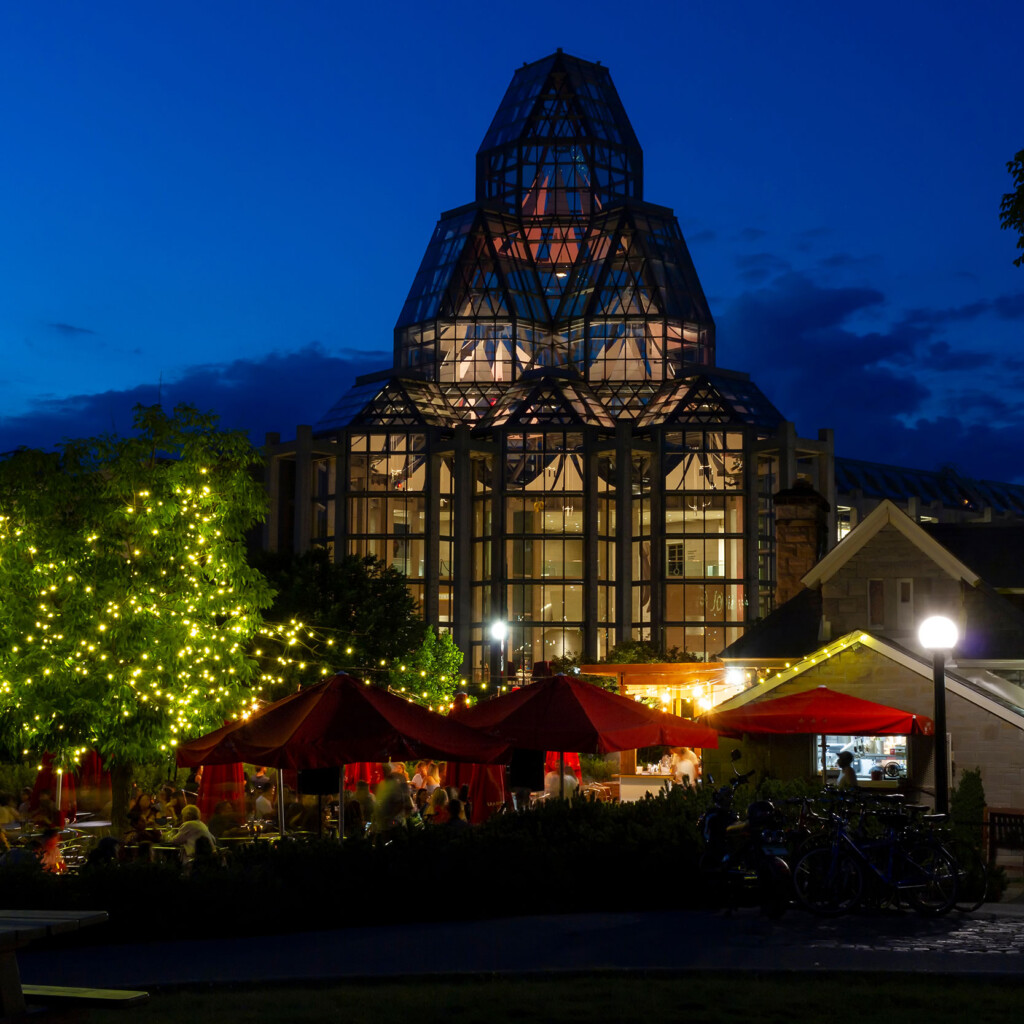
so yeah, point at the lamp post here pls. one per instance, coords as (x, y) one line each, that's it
(939, 635)
(498, 632)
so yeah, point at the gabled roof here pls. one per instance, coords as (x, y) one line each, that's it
(887, 514)
(995, 699)
(711, 397)
(790, 631)
(552, 399)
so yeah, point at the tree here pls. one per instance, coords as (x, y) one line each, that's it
(355, 614)
(430, 674)
(1011, 210)
(128, 603)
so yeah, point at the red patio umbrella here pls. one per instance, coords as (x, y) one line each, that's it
(336, 722)
(822, 711)
(563, 713)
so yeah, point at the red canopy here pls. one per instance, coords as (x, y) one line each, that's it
(820, 710)
(339, 721)
(221, 782)
(563, 713)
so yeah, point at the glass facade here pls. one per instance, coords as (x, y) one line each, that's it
(554, 447)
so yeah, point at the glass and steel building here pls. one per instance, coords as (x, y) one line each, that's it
(554, 447)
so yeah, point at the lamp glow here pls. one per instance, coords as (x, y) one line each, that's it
(498, 631)
(938, 633)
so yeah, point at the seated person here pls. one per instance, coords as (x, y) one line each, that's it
(436, 812)
(225, 818)
(192, 829)
(8, 812)
(142, 826)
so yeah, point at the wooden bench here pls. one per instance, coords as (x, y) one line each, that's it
(20, 927)
(1004, 829)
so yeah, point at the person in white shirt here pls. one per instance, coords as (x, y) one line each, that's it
(192, 829)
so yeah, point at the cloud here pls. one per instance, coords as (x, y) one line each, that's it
(70, 329)
(758, 267)
(941, 356)
(750, 235)
(879, 390)
(270, 394)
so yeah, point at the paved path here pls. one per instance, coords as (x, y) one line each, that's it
(988, 942)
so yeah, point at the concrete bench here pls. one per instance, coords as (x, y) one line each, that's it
(20, 927)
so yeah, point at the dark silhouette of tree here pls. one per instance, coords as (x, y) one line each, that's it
(1011, 210)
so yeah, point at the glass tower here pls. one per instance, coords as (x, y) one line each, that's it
(554, 447)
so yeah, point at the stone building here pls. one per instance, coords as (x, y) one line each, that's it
(852, 625)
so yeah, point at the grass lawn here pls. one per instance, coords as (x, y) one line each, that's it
(604, 999)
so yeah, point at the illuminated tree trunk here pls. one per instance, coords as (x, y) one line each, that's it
(121, 778)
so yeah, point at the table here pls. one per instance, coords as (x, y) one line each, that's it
(20, 927)
(636, 787)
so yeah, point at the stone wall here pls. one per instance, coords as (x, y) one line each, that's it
(889, 556)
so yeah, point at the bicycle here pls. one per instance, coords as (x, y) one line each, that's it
(901, 863)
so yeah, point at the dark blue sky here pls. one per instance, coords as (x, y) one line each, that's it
(231, 199)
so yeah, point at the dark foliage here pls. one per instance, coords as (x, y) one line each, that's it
(558, 858)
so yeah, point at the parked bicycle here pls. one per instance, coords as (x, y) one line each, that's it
(897, 860)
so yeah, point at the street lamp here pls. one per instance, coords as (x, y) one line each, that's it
(939, 635)
(498, 632)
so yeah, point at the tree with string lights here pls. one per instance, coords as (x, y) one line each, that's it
(129, 606)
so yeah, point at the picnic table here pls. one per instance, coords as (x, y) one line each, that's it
(20, 927)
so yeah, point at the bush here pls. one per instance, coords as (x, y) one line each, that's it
(558, 858)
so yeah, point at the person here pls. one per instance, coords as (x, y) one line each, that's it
(142, 827)
(225, 818)
(847, 776)
(8, 812)
(365, 799)
(568, 787)
(685, 766)
(46, 814)
(50, 856)
(392, 805)
(419, 779)
(437, 807)
(25, 807)
(265, 807)
(456, 818)
(192, 831)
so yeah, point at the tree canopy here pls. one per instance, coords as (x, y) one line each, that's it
(1011, 210)
(355, 615)
(128, 603)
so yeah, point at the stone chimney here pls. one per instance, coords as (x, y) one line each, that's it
(801, 525)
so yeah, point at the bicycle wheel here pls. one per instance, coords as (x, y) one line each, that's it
(828, 882)
(930, 885)
(971, 875)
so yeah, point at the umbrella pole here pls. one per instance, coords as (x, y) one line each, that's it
(824, 777)
(60, 786)
(280, 801)
(561, 775)
(341, 804)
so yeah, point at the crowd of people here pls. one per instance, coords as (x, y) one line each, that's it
(169, 816)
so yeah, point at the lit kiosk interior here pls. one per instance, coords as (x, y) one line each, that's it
(685, 689)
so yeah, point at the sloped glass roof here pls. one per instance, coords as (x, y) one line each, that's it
(945, 486)
(712, 398)
(389, 403)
